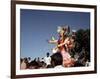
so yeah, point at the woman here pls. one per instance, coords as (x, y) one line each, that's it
(64, 44)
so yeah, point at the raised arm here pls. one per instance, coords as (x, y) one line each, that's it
(53, 41)
(65, 42)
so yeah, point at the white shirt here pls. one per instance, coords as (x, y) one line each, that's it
(47, 60)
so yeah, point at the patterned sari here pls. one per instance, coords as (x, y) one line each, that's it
(67, 60)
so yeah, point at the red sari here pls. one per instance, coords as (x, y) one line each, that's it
(67, 60)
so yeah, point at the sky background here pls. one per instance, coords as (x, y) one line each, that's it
(37, 26)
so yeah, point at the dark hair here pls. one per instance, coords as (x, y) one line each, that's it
(48, 54)
(56, 59)
(21, 60)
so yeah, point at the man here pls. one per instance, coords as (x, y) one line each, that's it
(57, 60)
(47, 59)
(23, 64)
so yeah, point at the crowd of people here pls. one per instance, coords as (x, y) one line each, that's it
(61, 54)
(55, 60)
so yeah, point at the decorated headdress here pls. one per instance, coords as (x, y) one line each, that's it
(65, 28)
(59, 29)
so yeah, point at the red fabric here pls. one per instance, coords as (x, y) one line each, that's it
(67, 60)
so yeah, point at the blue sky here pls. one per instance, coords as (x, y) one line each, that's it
(37, 26)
